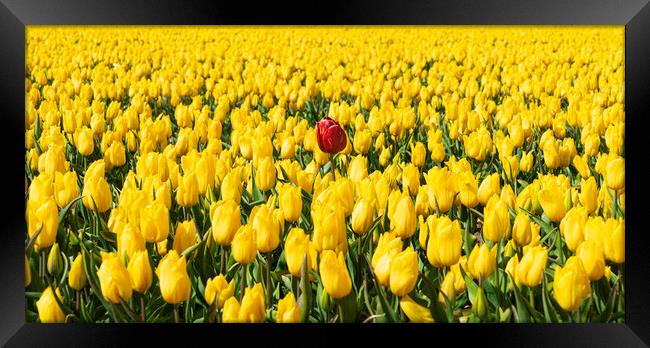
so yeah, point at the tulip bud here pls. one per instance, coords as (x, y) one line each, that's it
(504, 316)
(447, 288)
(76, 276)
(54, 265)
(480, 304)
(325, 301)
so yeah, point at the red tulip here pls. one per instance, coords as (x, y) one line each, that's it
(331, 137)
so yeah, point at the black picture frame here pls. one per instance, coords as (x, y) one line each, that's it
(16, 14)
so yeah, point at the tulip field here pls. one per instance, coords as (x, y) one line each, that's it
(324, 174)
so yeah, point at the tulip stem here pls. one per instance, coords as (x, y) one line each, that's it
(77, 300)
(332, 168)
(142, 308)
(269, 287)
(176, 319)
(223, 259)
(243, 282)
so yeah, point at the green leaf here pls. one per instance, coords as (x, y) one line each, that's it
(390, 315)
(522, 313)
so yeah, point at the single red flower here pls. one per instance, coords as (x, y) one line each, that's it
(331, 137)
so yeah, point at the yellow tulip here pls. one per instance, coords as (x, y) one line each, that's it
(140, 271)
(496, 226)
(482, 261)
(531, 267)
(45, 218)
(589, 194)
(334, 274)
(288, 311)
(403, 220)
(226, 220)
(76, 275)
(552, 201)
(388, 246)
(129, 240)
(521, 230)
(571, 284)
(615, 240)
(404, 272)
(220, 289)
(415, 312)
(252, 305)
(290, 202)
(362, 216)
(267, 229)
(489, 187)
(244, 246)
(96, 193)
(616, 174)
(231, 310)
(173, 278)
(185, 236)
(48, 308)
(418, 154)
(154, 222)
(296, 247)
(445, 241)
(265, 174)
(114, 279)
(65, 188)
(592, 258)
(188, 190)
